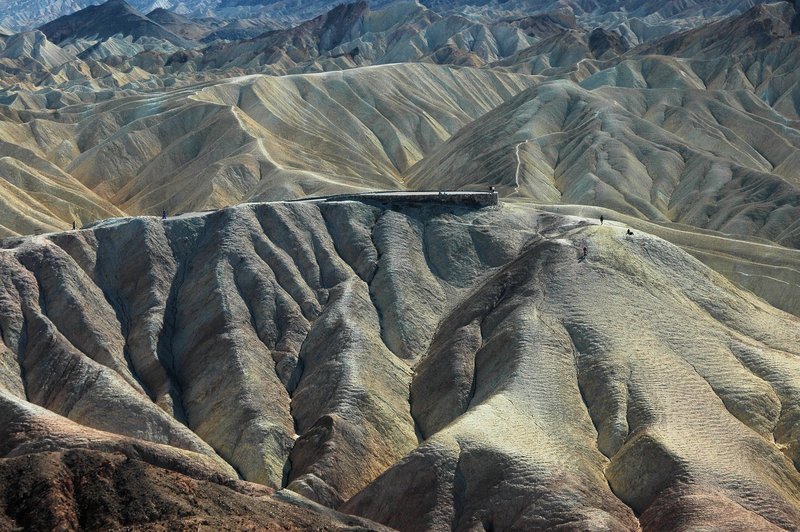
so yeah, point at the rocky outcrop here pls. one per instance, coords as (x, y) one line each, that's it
(604, 43)
(426, 367)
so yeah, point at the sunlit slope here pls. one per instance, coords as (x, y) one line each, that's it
(248, 138)
(770, 271)
(715, 160)
(632, 388)
(35, 193)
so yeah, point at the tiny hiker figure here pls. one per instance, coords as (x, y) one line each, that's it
(164, 215)
(73, 225)
(629, 232)
(601, 219)
(585, 252)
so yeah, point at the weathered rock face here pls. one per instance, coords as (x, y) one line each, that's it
(425, 367)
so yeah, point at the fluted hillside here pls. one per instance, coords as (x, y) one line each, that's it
(242, 139)
(717, 160)
(426, 367)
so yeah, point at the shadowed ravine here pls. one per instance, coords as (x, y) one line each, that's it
(277, 343)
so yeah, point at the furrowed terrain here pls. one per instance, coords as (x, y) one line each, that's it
(244, 139)
(419, 365)
(290, 350)
(697, 127)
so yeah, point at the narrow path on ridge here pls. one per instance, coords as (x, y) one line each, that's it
(519, 166)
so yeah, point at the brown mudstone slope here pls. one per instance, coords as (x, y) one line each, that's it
(426, 367)
(91, 490)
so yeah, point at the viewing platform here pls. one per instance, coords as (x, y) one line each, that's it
(469, 198)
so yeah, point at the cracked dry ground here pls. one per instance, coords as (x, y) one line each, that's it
(421, 367)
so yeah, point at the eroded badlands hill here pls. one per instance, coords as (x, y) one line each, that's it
(711, 159)
(426, 367)
(705, 137)
(243, 139)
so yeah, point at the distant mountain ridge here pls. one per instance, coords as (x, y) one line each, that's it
(651, 18)
(106, 20)
(21, 14)
(182, 26)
